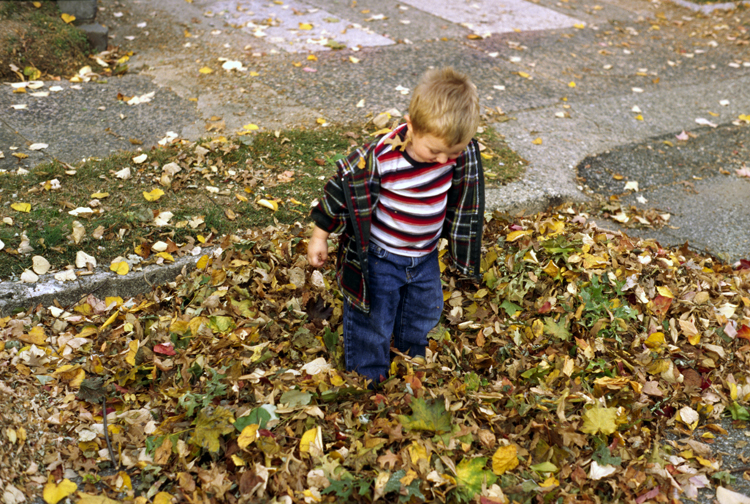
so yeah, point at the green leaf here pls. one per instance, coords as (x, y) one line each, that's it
(294, 398)
(470, 475)
(510, 307)
(331, 339)
(209, 426)
(738, 412)
(257, 416)
(335, 45)
(221, 324)
(557, 330)
(544, 467)
(604, 457)
(394, 483)
(429, 415)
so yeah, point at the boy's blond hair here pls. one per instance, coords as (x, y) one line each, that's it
(445, 104)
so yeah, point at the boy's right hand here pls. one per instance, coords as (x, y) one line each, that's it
(317, 248)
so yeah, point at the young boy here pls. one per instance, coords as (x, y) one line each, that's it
(392, 201)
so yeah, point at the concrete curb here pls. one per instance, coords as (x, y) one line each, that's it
(102, 283)
(709, 8)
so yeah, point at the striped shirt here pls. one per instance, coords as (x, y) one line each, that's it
(409, 216)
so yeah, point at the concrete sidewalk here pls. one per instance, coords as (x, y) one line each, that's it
(582, 85)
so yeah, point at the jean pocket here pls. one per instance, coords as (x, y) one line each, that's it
(377, 251)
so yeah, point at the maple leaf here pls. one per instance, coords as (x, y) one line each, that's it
(557, 330)
(389, 459)
(210, 425)
(397, 143)
(597, 420)
(427, 415)
(470, 476)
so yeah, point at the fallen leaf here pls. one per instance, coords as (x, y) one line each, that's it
(120, 267)
(67, 18)
(21, 207)
(153, 195)
(54, 493)
(505, 459)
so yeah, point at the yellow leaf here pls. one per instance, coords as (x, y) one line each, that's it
(305, 26)
(21, 207)
(251, 127)
(656, 342)
(270, 204)
(515, 235)
(110, 320)
(201, 238)
(571, 84)
(600, 420)
(20, 155)
(417, 451)
(320, 120)
(187, 34)
(337, 380)
(68, 18)
(354, 60)
(206, 70)
(537, 141)
(230, 214)
(123, 482)
(312, 442)
(100, 195)
(639, 117)
(121, 268)
(37, 4)
(505, 459)
(312, 57)
(202, 262)
(296, 64)
(238, 461)
(664, 291)
(162, 498)
(153, 195)
(579, 26)
(54, 493)
(524, 75)
(35, 336)
(166, 256)
(132, 350)
(248, 436)
(241, 198)
(744, 118)
(86, 498)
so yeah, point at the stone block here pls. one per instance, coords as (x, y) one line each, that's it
(97, 34)
(83, 10)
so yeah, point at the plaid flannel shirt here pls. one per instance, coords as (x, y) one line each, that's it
(350, 198)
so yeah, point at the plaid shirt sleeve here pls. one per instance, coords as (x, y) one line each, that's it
(465, 216)
(331, 214)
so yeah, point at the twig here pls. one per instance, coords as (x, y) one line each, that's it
(106, 432)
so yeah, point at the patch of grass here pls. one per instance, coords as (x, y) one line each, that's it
(222, 186)
(501, 164)
(38, 39)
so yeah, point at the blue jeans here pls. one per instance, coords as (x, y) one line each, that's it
(406, 301)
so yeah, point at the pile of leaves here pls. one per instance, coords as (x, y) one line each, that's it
(586, 366)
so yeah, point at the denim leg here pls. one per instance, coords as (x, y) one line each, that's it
(421, 305)
(367, 337)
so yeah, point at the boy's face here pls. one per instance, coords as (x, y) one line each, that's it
(428, 148)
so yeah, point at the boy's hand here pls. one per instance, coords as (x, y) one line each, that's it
(317, 248)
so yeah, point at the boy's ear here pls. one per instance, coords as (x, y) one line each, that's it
(408, 124)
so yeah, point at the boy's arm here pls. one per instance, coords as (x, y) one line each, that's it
(317, 248)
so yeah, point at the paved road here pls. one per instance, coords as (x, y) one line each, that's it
(576, 79)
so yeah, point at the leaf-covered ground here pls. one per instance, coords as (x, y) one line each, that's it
(556, 379)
